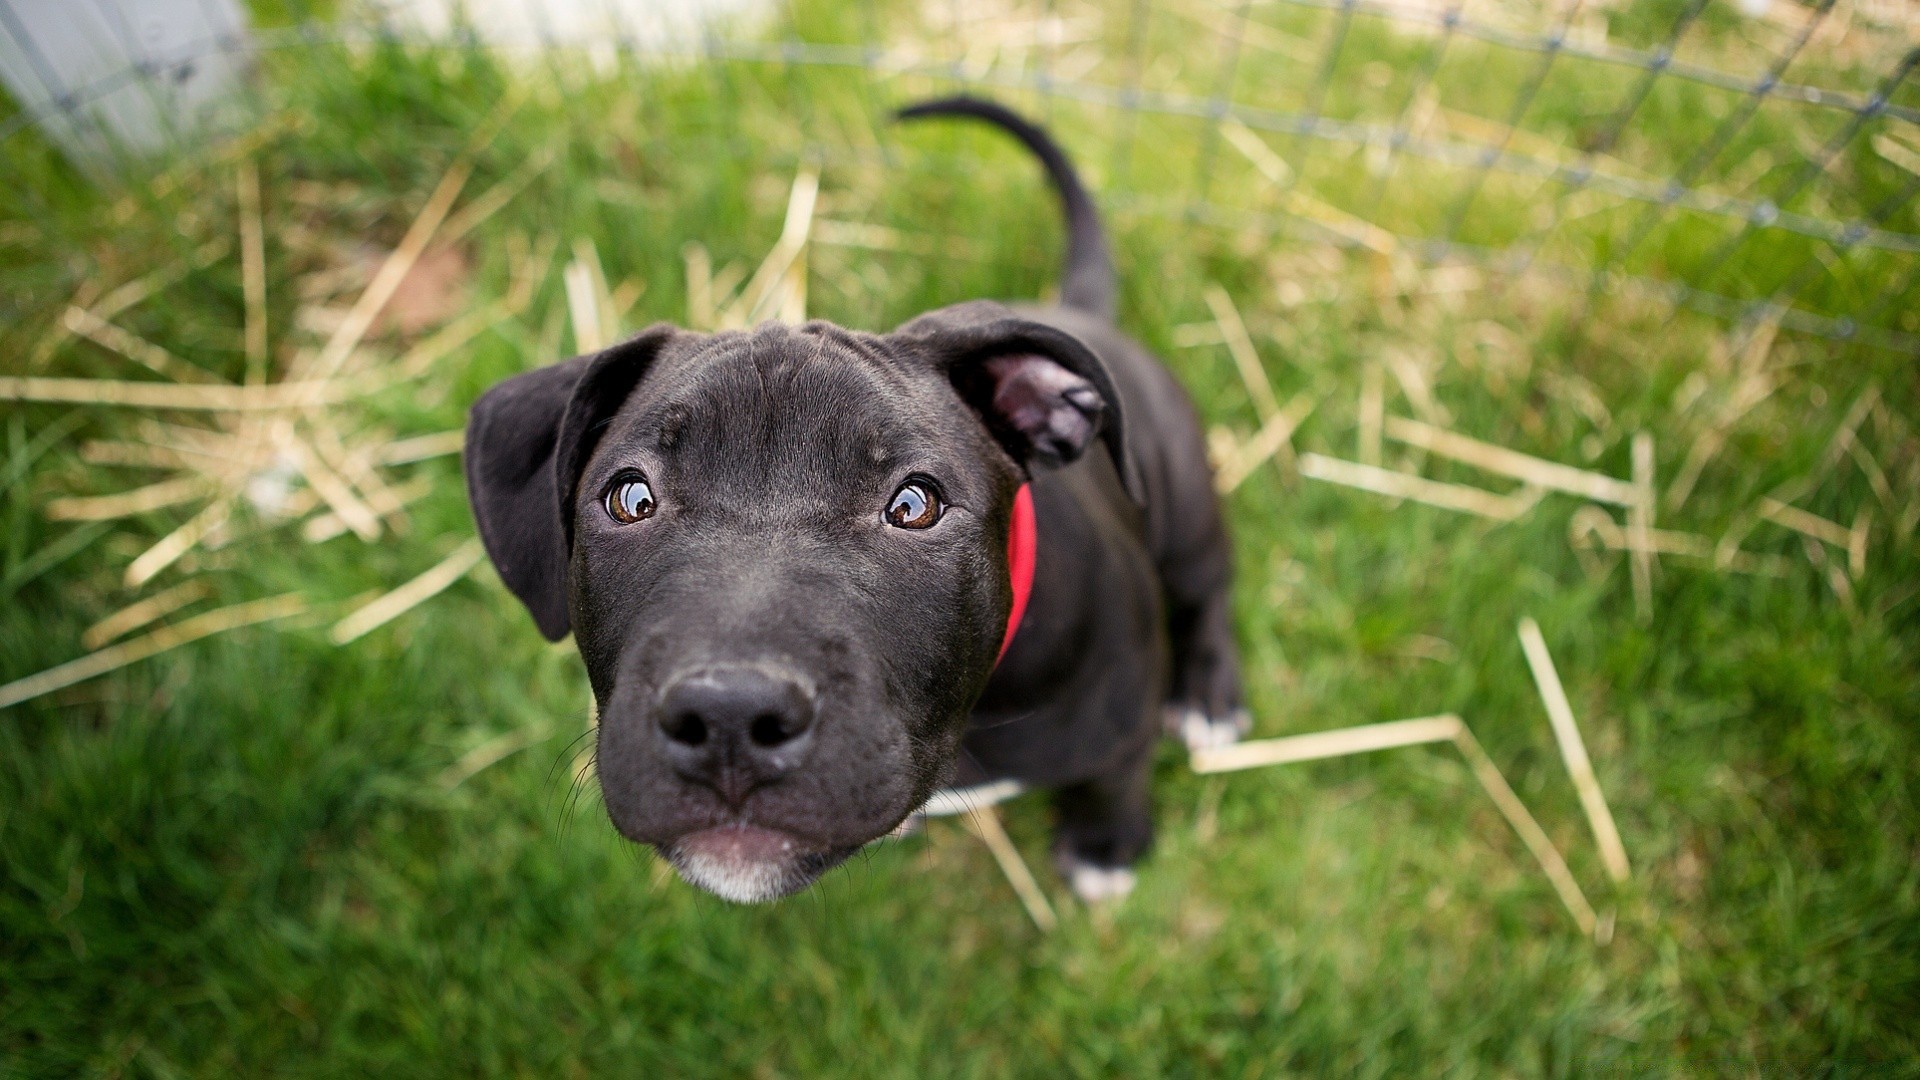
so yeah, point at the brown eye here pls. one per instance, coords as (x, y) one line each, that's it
(629, 499)
(914, 506)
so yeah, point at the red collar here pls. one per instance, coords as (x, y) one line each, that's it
(1022, 539)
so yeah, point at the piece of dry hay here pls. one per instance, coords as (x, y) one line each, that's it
(123, 296)
(433, 348)
(1592, 525)
(494, 199)
(324, 526)
(588, 305)
(1401, 485)
(253, 269)
(1273, 438)
(1836, 577)
(1257, 152)
(1640, 526)
(1846, 435)
(138, 349)
(393, 272)
(1537, 472)
(1372, 413)
(158, 641)
(167, 396)
(1573, 750)
(141, 612)
(1754, 383)
(1299, 203)
(420, 448)
(1410, 371)
(490, 753)
(1398, 733)
(699, 264)
(140, 500)
(360, 318)
(1343, 742)
(1857, 542)
(354, 466)
(330, 486)
(131, 455)
(175, 544)
(768, 290)
(1806, 524)
(869, 237)
(1245, 359)
(1870, 468)
(1197, 335)
(984, 823)
(392, 605)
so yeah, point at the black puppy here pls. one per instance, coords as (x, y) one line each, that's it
(793, 560)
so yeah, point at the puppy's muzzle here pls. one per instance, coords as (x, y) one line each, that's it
(733, 728)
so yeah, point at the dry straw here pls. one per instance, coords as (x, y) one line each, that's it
(780, 281)
(140, 500)
(253, 269)
(140, 613)
(115, 657)
(490, 753)
(1298, 202)
(346, 338)
(1640, 526)
(172, 546)
(1592, 525)
(1234, 332)
(138, 349)
(1401, 485)
(168, 396)
(1806, 524)
(421, 448)
(392, 605)
(1398, 733)
(1273, 438)
(984, 823)
(1501, 461)
(1573, 750)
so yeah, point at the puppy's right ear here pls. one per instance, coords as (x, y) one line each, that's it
(527, 440)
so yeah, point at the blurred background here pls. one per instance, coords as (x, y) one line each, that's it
(1599, 313)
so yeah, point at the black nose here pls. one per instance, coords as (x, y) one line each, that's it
(733, 728)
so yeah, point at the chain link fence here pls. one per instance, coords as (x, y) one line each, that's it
(1756, 162)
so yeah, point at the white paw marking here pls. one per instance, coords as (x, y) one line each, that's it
(1202, 732)
(1101, 884)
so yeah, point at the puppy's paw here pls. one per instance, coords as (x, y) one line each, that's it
(1099, 884)
(1202, 732)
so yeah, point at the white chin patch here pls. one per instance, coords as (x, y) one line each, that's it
(729, 877)
(746, 864)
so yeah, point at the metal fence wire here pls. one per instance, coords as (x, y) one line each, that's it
(1757, 161)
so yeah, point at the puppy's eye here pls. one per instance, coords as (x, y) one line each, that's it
(629, 499)
(914, 506)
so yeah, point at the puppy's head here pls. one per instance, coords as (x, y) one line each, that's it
(783, 557)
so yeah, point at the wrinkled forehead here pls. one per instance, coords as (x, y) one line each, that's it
(815, 402)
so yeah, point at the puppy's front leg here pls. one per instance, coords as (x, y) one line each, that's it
(1105, 826)
(1206, 709)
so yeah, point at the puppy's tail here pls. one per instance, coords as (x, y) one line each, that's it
(1088, 283)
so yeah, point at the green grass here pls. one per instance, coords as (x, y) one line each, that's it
(242, 858)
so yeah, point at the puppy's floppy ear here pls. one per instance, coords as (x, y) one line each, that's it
(1043, 394)
(527, 440)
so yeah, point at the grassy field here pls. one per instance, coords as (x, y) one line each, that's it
(267, 854)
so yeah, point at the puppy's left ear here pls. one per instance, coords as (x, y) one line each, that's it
(1042, 393)
(528, 438)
